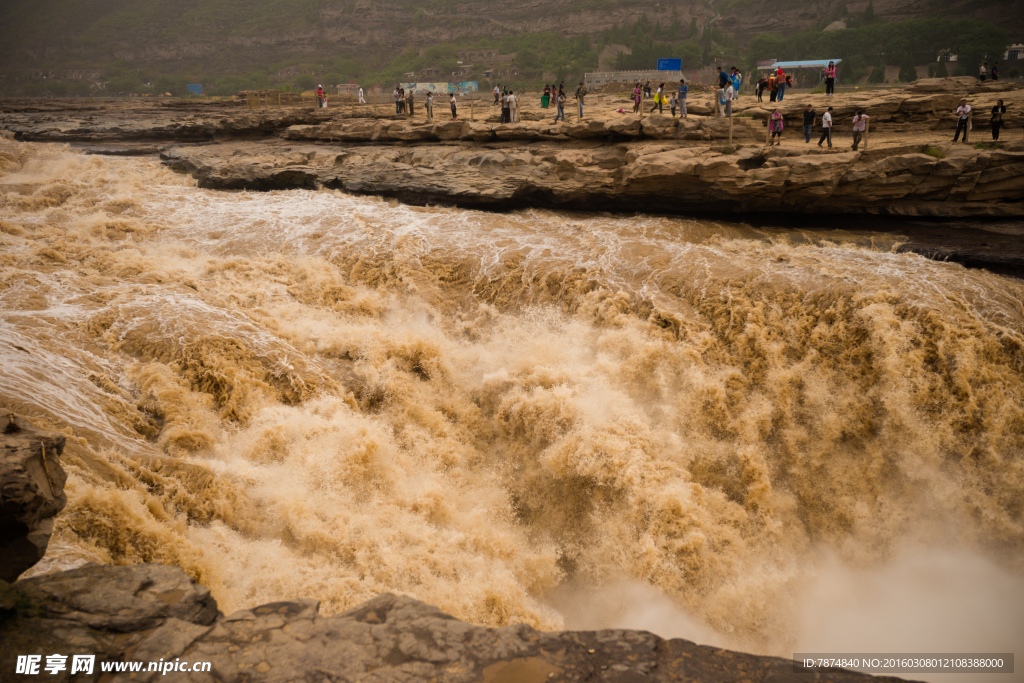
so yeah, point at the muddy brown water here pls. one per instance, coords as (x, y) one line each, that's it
(763, 438)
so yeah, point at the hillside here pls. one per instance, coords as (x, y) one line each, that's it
(748, 18)
(186, 34)
(229, 45)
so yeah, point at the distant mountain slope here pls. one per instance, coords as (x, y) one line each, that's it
(746, 18)
(239, 33)
(235, 36)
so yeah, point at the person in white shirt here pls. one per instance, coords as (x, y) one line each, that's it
(826, 128)
(513, 107)
(452, 102)
(964, 122)
(860, 122)
(430, 105)
(398, 100)
(730, 95)
(361, 100)
(497, 95)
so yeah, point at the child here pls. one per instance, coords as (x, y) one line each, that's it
(775, 125)
(672, 103)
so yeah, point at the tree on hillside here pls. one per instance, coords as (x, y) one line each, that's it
(869, 13)
(692, 31)
(908, 72)
(940, 69)
(877, 75)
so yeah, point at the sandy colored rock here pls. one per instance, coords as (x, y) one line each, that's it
(31, 493)
(150, 613)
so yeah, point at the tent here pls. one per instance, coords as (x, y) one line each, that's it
(818, 64)
(802, 64)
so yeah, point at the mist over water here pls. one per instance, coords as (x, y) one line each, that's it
(763, 440)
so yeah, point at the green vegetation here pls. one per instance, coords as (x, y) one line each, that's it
(157, 46)
(908, 72)
(915, 41)
(935, 152)
(937, 70)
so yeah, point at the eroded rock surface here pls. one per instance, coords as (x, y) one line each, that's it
(955, 181)
(149, 613)
(31, 493)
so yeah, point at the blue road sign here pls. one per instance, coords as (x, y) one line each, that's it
(670, 65)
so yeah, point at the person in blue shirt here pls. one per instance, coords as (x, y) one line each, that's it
(722, 77)
(736, 79)
(683, 90)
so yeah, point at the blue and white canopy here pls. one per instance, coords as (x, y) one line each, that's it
(802, 64)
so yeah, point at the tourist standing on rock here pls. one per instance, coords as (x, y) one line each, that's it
(545, 99)
(659, 99)
(513, 107)
(673, 103)
(647, 90)
(995, 71)
(683, 91)
(398, 101)
(319, 96)
(860, 122)
(780, 79)
(560, 107)
(581, 92)
(737, 79)
(497, 95)
(775, 126)
(773, 88)
(430, 105)
(454, 106)
(638, 96)
(409, 102)
(830, 79)
(826, 128)
(983, 75)
(964, 122)
(505, 116)
(997, 118)
(362, 100)
(808, 123)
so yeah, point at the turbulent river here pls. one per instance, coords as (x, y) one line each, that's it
(761, 439)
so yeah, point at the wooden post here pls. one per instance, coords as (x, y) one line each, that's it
(471, 113)
(730, 130)
(867, 128)
(967, 130)
(768, 137)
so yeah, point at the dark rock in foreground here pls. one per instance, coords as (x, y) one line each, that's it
(31, 493)
(151, 612)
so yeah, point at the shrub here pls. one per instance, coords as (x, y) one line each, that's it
(908, 72)
(1014, 73)
(941, 71)
(877, 74)
(935, 152)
